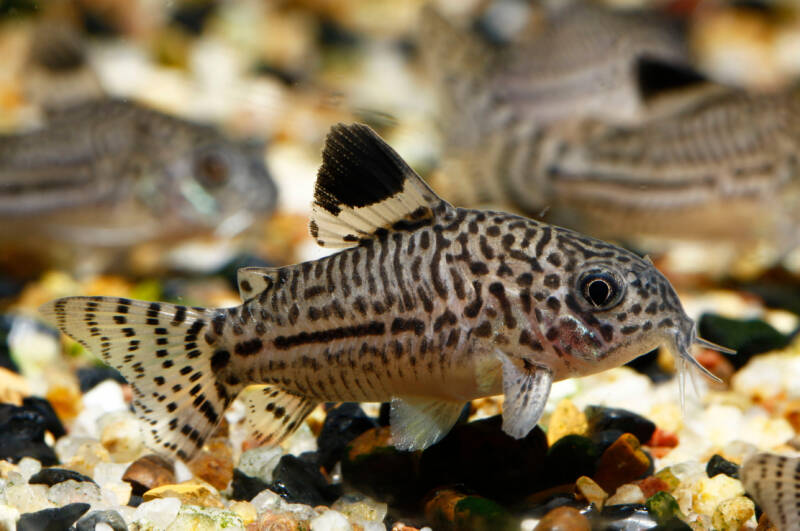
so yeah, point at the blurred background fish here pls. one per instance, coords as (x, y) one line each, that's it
(717, 164)
(103, 173)
(581, 60)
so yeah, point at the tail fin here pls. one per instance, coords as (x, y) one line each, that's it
(168, 354)
(772, 481)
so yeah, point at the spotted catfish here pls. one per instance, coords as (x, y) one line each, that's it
(427, 305)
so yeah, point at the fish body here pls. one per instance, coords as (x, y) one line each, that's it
(427, 305)
(586, 61)
(109, 172)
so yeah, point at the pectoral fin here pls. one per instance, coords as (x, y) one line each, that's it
(526, 388)
(419, 422)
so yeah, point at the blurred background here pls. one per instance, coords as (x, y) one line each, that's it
(148, 149)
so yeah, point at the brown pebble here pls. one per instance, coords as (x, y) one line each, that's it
(269, 521)
(148, 472)
(765, 524)
(214, 463)
(563, 519)
(622, 462)
(651, 485)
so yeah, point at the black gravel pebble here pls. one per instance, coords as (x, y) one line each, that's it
(605, 418)
(22, 435)
(135, 501)
(57, 519)
(372, 465)
(193, 16)
(112, 518)
(622, 518)
(52, 476)
(298, 480)
(482, 458)
(342, 424)
(5, 354)
(748, 337)
(246, 487)
(555, 501)
(51, 421)
(89, 377)
(569, 458)
(719, 465)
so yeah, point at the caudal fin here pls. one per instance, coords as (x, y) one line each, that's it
(166, 352)
(772, 481)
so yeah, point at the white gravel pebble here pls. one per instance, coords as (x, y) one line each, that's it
(331, 521)
(105, 397)
(28, 466)
(160, 513)
(8, 518)
(260, 462)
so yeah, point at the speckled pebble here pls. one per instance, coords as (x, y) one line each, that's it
(72, 491)
(269, 521)
(361, 509)
(244, 510)
(192, 492)
(26, 498)
(732, 514)
(710, 492)
(206, 519)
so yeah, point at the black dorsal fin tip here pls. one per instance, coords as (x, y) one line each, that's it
(362, 186)
(358, 169)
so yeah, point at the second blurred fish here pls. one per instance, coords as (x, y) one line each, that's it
(587, 61)
(105, 173)
(711, 164)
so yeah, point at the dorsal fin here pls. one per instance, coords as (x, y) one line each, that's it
(656, 77)
(254, 280)
(363, 187)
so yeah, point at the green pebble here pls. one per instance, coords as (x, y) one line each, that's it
(663, 507)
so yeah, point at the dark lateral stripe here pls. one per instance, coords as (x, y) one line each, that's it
(375, 328)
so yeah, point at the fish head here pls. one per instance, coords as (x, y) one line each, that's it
(606, 306)
(219, 180)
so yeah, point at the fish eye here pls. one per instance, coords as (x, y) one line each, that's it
(600, 289)
(211, 170)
